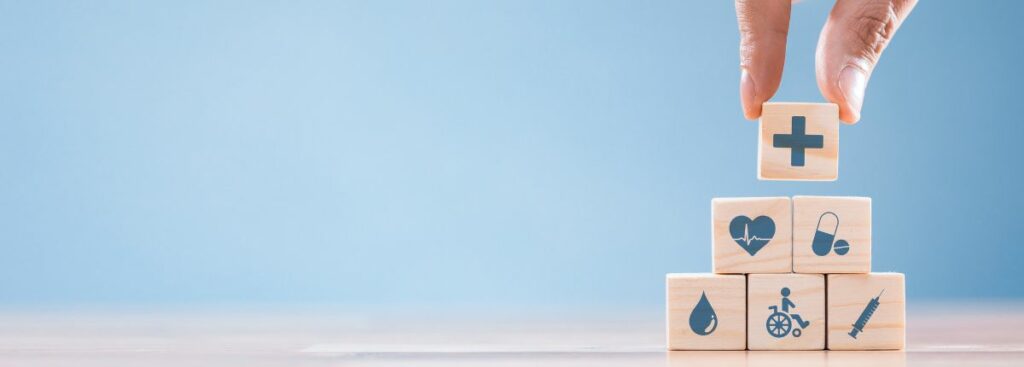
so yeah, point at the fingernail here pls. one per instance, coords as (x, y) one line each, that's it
(748, 92)
(852, 83)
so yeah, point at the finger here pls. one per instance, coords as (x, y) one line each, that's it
(764, 25)
(849, 47)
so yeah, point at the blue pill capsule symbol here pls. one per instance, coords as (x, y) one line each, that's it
(825, 234)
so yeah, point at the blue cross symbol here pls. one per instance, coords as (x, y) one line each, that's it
(798, 141)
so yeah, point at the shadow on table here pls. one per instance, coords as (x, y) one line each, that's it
(788, 358)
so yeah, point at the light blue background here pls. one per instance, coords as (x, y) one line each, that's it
(478, 154)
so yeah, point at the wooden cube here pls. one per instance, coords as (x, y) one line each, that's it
(751, 235)
(866, 311)
(799, 141)
(786, 311)
(831, 234)
(706, 311)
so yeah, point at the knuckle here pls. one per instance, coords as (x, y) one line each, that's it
(874, 27)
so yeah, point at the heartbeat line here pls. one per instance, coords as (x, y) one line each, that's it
(746, 236)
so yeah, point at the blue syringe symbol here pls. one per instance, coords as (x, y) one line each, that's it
(866, 315)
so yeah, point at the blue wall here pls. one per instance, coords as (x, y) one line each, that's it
(462, 153)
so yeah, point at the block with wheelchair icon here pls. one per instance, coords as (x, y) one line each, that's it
(786, 312)
(831, 234)
(751, 235)
(866, 311)
(706, 311)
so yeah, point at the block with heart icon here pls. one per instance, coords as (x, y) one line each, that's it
(798, 141)
(751, 235)
(831, 234)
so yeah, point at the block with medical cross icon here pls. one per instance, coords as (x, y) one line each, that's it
(799, 141)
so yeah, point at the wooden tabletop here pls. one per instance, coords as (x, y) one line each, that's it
(939, 334)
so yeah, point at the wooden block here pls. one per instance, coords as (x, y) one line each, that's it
(706, 311)
(799, 141)
(831, 234)
(866, 311)
(786, 311)
(751, 235)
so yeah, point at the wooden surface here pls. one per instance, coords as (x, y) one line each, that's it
(947, 334)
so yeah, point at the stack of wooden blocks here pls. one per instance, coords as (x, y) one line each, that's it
(790, 273)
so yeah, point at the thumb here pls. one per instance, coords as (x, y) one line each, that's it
(764, 25)
(849, 47)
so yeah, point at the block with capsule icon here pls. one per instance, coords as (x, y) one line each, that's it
(798, 141)
(786, 311)
(706, 311)
(831, 234)
(866, 311)
(751, 235)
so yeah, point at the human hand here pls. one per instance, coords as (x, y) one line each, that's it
(849, 46)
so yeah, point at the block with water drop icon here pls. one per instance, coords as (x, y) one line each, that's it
(751, 235)
(831, 234)
(706, 311)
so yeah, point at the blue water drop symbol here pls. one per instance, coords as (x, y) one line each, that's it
(703, 320)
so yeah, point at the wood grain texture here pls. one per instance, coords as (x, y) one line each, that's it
(821, 164)
(849, 294)
(973, 332)
(727, 295)
(807, 291)
(730, 258)
(853, 225)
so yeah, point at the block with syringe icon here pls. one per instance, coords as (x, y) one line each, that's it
(866, 311)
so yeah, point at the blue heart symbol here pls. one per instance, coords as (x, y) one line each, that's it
(752, 235)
